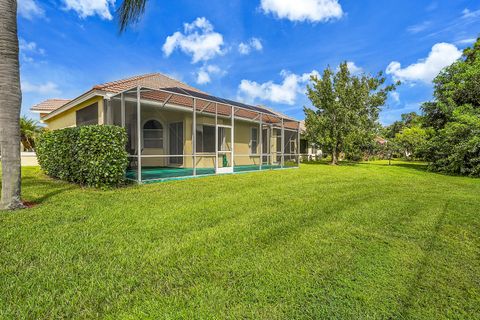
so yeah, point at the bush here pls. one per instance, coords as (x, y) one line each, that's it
(455, 149)
(89, 155)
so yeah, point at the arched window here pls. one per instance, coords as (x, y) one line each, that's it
(153, 134)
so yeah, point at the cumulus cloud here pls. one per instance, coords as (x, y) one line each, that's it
(425, 70)
(205, 73)
(285, 92)
(353, 68)
(198, 40)
(303, 10)
(29, 9)
(252, 44)
(87, 8)
(47, 88)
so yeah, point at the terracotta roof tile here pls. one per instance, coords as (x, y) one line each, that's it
(151, 80)
(49, 105)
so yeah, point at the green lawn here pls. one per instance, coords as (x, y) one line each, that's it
(353, 241)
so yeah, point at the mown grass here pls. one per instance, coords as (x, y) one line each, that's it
(360, 241)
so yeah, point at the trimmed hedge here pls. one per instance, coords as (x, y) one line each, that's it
(93, 156)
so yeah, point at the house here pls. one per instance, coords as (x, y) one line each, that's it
(308, 151)
(175, 130)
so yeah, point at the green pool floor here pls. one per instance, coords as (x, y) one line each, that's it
(158, 173)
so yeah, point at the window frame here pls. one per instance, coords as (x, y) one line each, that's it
(161, 137)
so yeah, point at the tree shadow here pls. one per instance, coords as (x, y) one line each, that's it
(55, 187)
(420, 166)
(342, 163)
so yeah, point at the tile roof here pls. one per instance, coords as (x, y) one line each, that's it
(151, 80)
(160, 81)
(49, 105)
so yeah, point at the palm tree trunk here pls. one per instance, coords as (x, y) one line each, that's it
(10, 102)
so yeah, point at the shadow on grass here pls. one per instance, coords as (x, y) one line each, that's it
(54, 187)
(342, 163)
(415, 289)
(421, 166)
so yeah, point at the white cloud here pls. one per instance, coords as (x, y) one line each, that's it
(252, 44)
(467, 41)
(467, 14)
(395, 96)
(87, 8)
(419, 27)
(47, 88)
(303, 10)
(353, 68)
(285, 92)
(441, 55)
(204, 73)
(29, 47)
(198, 40)
(29, 9)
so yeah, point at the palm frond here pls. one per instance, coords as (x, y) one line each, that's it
(129, 12)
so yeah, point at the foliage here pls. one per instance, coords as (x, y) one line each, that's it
(454, 145)
(411, 141)
(129, 12)
(88, 155)
(347, 108)
(29, 131)
(408, 120)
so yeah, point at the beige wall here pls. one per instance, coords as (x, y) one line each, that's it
(242, 132)
(68, 118)
(166, 116)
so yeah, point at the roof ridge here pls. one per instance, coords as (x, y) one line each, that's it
(128, 79)
(169, 77)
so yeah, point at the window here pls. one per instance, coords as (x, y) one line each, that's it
(205, 138)
(87, 116)
(253, 140)
(153, 134)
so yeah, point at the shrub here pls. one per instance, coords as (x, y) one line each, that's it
(89, 155)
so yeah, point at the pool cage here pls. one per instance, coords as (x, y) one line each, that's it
(178, 133)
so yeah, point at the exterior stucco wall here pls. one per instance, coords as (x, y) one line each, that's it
(166, 116)
(68, 118)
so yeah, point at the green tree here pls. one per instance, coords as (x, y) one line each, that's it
(346, 112)
(454, 116)
(411, 141)
(29, 130)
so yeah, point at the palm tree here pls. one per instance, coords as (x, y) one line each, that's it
(10, 102)
(11, 97)
(129, 12)
(29, 130)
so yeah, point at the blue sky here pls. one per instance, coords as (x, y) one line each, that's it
(257, 51)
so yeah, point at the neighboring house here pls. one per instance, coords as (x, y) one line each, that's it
(308, 151)
(175, 130)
